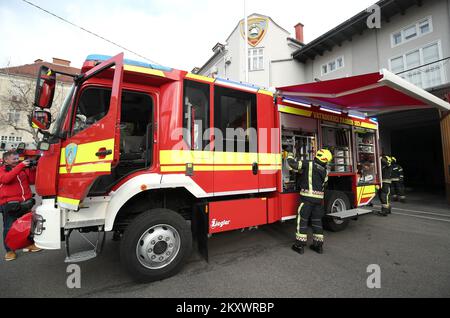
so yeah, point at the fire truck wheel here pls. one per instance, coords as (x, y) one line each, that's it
(156, 245)
(336, 201)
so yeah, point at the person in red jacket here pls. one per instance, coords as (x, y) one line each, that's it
(15, 181)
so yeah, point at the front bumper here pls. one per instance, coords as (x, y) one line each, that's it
(46, 225)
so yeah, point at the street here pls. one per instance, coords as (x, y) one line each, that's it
(411, 247)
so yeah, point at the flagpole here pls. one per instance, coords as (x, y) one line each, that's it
(246, 41)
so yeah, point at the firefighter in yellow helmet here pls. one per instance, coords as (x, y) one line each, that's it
(397, 185)
(385, 192)
(313, 179)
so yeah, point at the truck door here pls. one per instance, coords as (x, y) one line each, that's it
(91, 148)
(236, 152)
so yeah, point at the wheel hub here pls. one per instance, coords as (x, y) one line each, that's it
(158, 246)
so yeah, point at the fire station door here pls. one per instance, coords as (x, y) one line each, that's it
(92, 146)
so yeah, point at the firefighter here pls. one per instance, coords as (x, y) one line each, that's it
(397, 186)
(313, 179)
(384, 192)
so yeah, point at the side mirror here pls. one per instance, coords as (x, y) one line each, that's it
(43, 146)
(45, 88)
(41, 119)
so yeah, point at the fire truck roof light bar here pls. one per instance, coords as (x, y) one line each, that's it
(238, 85)
(357, 117)
(334, 111)
(101, 58)
(287, 100)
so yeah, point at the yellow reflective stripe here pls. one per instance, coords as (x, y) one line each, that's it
(310, 174)
(68, 201)
(144, 70)
(200, 78)
(271, 167)
(310, 195)
(179, 168)
(262, 91)
(294, 111)
(173, 157)
(235, 158)
(269, 159)
(94, 167)
(370, 126)
(86, 152)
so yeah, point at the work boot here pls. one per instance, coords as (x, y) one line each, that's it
(10, 256)
(317, 247)
(32, 249)
(299, 247)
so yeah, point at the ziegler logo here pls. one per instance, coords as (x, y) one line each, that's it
(221, 224)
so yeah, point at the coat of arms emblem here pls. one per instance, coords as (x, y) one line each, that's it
(71, 154)
(257, 29)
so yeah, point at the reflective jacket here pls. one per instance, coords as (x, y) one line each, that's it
(15, 184)
(397, 172)
(313, 178)
(386, 172)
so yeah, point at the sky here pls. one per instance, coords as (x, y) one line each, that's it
(174, 33)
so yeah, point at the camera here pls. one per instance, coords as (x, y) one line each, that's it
(33, 163)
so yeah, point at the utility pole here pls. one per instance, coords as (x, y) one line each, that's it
(245, 41)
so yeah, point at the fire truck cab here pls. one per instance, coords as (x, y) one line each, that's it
(160, 156)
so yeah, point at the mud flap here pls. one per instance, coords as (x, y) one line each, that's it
(200, 228)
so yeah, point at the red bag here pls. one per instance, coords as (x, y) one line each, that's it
(18, 235)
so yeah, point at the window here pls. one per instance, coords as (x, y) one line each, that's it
(4, 138)
(412, 32)
(235, 117)
(11, 138)
(397, 37)
(425, 77)
(93, 105)
(333, 65)
(424, 27)
(13, 116)
(196, 115)
(19, 139)
(256, 59)
(397, 65)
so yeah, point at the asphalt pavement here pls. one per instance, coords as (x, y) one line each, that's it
(411, 248)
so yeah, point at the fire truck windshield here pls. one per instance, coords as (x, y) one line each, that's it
(57, 129)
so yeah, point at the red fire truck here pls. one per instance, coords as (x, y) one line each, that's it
(162, 156)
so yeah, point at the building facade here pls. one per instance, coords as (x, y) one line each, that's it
(270, 50)
(410, 38)
(17, 89)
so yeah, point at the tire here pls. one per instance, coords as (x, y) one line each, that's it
(156, 245)
(336, 201)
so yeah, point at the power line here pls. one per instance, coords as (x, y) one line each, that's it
(90, 32)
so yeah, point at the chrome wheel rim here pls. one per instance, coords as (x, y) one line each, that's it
(158, 246)
(338, 206)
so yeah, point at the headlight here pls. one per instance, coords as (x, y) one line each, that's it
(37, 226)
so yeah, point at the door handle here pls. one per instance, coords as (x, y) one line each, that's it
(255, 168)
(103, 152)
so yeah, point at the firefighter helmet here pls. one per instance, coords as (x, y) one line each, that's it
(386, 160)
(324, 156)
(393, 159)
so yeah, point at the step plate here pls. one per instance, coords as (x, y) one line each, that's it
(81, 257)
(350, 213)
